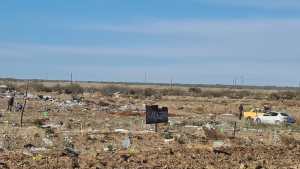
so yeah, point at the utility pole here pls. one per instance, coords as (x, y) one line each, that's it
(234, 83)
(242, 80)
(71, 78)
(171, 83)
(47, 76)
(145, 77)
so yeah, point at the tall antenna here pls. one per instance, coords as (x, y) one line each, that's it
(234, 84)
(171, 82)
(242, 80)
(71, 78)
(145, 77)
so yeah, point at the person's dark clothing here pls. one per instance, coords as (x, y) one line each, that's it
(10, 103)
(267, 108)
(241, 109)
(19, 107)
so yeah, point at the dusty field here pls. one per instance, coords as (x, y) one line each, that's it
(91, 134)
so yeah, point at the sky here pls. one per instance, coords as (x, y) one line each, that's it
(254, 42)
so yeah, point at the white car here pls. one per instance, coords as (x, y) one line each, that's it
(272, 118)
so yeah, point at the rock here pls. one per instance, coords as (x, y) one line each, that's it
(3, 165)
(71, 152)
(182, 139)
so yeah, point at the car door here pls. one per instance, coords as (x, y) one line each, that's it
(273, 118)
(265, 118)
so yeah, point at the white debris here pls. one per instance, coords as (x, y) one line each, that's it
(190, 126)
(121, 131)
(126, 143)
(169, 140)
(48, 142)
(218, 144)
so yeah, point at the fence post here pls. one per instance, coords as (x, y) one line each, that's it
(234, 129)
(25, 102)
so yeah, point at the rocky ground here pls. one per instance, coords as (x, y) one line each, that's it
(110, 132)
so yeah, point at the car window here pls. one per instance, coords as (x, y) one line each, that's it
(284, 114)
(274, 114)
(266, 114)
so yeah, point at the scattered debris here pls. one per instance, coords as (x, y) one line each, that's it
(126, 143)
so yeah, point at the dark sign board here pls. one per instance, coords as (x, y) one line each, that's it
(154, 114)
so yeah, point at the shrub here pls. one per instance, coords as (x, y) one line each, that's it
(73, 89)
(274, 96)
(91, 90)
(111, 89)
(39, 87)
(167, 135)
(136, 92)
(238, 94)
(10, 86)
(182, 139)
(297, 95)
(195, 91)
(58, 88)
(287, 95)
(209, 93)
(173, 92)
(148, 92)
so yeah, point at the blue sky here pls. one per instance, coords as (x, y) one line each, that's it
(191, 41)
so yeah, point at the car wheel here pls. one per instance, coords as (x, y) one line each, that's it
(258, 121)
(277, 122)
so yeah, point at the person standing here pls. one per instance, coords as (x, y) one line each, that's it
(241, 109)
(10, 103)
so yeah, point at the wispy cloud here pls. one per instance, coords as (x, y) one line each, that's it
(264, 4)
(197, 27)
(235, 39)
(210, 49)
(276, 39)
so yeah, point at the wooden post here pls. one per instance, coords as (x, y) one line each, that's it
(156, 127)
(234, 129)
(81, 129)
(25, 102)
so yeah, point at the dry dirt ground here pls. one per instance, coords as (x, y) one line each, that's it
(93, 134)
